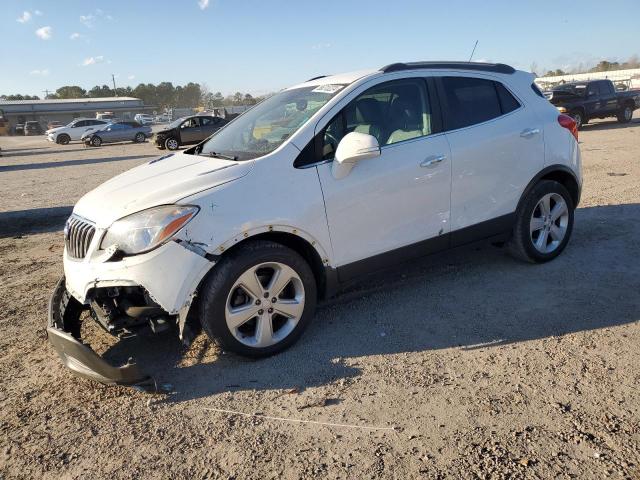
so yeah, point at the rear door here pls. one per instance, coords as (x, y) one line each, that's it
(497, 147)
(395, 206)
(209, 125)
(190, 131)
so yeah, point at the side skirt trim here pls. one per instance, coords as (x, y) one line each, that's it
(499, 227)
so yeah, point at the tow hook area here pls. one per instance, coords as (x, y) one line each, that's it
(63, 332)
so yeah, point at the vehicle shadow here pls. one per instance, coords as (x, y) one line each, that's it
(69, 163)
(610, 125)
(35, 220)
(470, 298)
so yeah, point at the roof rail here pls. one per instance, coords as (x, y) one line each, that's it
(316, 78)
(484, 67)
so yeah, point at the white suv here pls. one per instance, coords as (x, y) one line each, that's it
(74, 130)
(317, 185)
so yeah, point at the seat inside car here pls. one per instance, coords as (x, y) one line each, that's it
(405, 122)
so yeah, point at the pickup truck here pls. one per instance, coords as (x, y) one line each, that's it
(594, 99)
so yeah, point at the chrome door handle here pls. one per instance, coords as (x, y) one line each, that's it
(433, 160)
(529, 132)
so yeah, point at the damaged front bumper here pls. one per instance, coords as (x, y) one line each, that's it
(63, 332)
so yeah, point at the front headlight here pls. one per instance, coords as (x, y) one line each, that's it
(146, 230)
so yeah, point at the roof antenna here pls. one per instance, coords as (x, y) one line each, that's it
(474, 50)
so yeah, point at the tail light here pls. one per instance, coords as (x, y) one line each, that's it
(570, 124)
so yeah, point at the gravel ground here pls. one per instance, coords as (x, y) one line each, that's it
(468, 365)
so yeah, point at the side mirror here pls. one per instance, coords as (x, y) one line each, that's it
(353, 148)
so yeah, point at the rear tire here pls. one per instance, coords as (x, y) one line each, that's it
(63, 139)
(544, 223)
(626, 114)
(171, 143)
(279, 298)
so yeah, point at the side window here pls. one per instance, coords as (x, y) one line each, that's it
(207, 122)
(507, 101)
(606, 88)
(82, 123)
(470, 101)
(392, 112)
(593, 89)
(191, 123)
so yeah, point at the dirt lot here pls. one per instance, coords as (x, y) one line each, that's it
(469, 365)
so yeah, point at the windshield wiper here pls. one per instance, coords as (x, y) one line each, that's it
(221, 155)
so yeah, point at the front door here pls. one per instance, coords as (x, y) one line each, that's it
(395, 206)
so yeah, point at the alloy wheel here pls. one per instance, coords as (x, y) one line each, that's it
(265, 304)
(549, 222)
(577, 117)
(172, 144)
(628, 113)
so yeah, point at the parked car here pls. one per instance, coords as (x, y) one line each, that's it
(18, 129)
(33, 128)
(584, 101)
(117, 132)
(187, 131)
(164, 118)
(312, 188)
(54, 124)
(74, 130)
(109, 116)
(143, 119)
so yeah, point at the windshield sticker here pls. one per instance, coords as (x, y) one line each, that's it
(329, 88)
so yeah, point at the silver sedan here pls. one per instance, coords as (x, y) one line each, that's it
(118, 132)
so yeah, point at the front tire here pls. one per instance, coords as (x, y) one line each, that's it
(63, 139)
(96, 141)
(171, 143)
(625, 115)
(544, 223)
(579, 118)
(258, 299)
(139, 138)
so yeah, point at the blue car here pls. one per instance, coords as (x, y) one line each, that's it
(117, 132)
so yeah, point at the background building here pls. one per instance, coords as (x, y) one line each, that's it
(44, 111)
(628, 79)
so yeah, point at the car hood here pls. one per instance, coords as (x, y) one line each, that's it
(162, 181)
(54, 130)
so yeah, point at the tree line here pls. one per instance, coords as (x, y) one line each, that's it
(602, 66)
(162, 95)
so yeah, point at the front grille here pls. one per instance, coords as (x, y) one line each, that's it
(78, 234)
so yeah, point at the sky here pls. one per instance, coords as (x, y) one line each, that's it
(261, 46)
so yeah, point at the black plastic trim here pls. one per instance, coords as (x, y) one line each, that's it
(476, 66)
(483, 230)
(546, 171)
(392, 258)
(316, 78)
(497, 228)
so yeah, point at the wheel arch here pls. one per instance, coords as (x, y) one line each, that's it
(298, 241)
(559, 173)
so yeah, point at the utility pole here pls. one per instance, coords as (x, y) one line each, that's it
(113, 77)
(46, 94)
